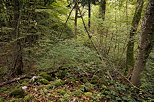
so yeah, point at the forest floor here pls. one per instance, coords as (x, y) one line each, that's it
(59, 87)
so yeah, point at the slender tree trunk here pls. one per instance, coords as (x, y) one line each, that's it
(130, 45)
(89, 14)
(17, 67)
(147, 37)
(102, 9)
(76, 19)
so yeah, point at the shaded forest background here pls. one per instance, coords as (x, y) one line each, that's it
(102, 42)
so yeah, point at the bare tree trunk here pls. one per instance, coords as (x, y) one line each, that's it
(102, 9)
(17, 67)
(89, 14)
(147, 37)
(76, 19)
(130, 45)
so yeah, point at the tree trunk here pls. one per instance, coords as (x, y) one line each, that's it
(76, 19)
(89, 14)
(102, 9)
(130, 45)
(147, 37)
(17, 67)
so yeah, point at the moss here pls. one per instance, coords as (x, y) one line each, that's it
(70, 81)
(58, 83)
(95, 79)
(14, 100)
(19, 93)
(62, 92)
(1, 99)
(45, 76)
(44, 81)
(28, 98)
(25, 84)
(88, 94)
(49, 86)
(84, 88)
(61, 100)
(77, 93)
(62, 74)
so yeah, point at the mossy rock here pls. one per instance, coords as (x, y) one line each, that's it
(88, 94)
(58, 82)
(19, 93)
(44, 81)
(45, 76)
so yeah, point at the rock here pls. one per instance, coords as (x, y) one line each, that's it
(19, 93)
(34, 78)
(45, 76)
(24, 87)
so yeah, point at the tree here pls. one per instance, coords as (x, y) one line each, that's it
(147, 37)
(102, 9)
(130, 45)
(76, 17)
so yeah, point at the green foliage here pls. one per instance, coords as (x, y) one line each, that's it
(43, 81)
(70, 54)
(77, 93)
(147, 79)
(28, 98)
(58, 82)
(46, 76)
(88, 94)
(19, 93)
(84, 88)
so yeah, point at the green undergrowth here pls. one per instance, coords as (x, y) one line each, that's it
(67, 89)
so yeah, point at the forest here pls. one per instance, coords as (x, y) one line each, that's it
(76, 51)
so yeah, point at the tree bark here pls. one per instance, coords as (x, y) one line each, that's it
(14, 80)
(102, 9)
(76, 19)
(89, 14)
(17, 67)
(147, 37)
(130, 45)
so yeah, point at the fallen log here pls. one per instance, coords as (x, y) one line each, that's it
(14, 80)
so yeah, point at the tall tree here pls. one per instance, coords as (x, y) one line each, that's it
(76, 18)
(130, 45)
(17, 67)
(102, 9)
(89, 13)
(147, 37)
